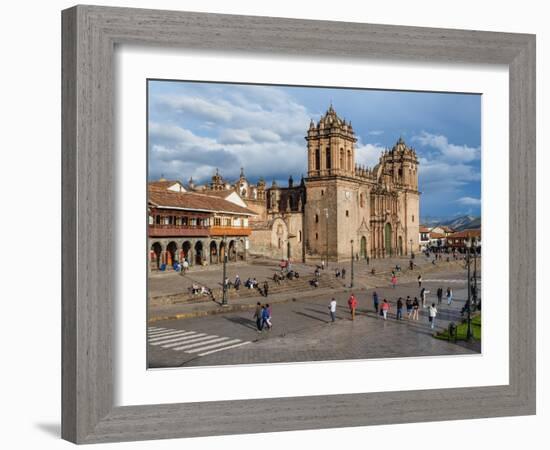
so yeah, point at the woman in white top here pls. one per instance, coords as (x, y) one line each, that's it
(332, 309)
(433, 314)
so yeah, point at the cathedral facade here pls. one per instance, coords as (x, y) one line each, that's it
(340, 202)
(340, 207)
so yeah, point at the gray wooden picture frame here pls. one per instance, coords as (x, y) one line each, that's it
(90, 34)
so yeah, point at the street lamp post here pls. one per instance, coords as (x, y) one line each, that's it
(475, 272)
(468, 243)
(224, 284)
(351, 283)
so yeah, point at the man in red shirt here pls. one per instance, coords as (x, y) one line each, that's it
(352, 303)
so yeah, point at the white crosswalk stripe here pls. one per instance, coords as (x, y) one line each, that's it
(208, 347)
(162, 333)
(170, 336)
(188, 346)
(183, 339)
(189, 340)
(192, 342)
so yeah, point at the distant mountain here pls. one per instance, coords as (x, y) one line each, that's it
(456, 223)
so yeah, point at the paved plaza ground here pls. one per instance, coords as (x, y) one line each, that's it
(302, 330)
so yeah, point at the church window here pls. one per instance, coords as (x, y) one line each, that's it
(328, 159)
(316, 218)
(316, 236)
(361, 201)
(349, 161)
(342, 166)
(322, 192)
(413, 217)
(347, 213)
(317, 162)
(300, 236)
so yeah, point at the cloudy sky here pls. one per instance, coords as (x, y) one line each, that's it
(195, 128)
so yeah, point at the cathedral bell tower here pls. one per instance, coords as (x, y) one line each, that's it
(331, 147)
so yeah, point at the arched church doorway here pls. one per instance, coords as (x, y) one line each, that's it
(363, 247)
(388, 239)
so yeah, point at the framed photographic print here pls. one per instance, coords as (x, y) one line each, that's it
(253, 215)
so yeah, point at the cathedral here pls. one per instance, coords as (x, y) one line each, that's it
(340, 209)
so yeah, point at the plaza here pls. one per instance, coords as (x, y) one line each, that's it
(200, 332)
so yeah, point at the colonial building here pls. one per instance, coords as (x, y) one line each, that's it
(195, 227)
(337, 202)
(376, 208)
(457, 241)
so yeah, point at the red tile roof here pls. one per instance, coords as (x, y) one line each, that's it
(164, 184)
(194, 201)
(466, 234)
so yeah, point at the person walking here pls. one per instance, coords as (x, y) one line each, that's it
(439, 295)
(266, 317)
(237, 283)
(343, 273)
(352, 303)
(399, 315)
(415, 307)
(419, 280)
(323, 264)
(449, 296)
(393, 281)
(266, 288)
(332, 309)
(409, 305)
(368, 260)
(258, 316)
(385, 309)
(432, 315)
(268, 307)
(375, 301)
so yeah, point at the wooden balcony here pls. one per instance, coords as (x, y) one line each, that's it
(230, 231)
(177, 231)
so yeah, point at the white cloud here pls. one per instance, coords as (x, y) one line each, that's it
(469, 201)
(197, 106)
(376, 132)
(367, 154)
(448, 151)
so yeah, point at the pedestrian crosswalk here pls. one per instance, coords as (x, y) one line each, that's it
(192, 342)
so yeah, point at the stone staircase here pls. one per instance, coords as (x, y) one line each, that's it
(285, 287)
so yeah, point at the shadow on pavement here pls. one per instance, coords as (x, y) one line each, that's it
(248, 323)
(309, 316)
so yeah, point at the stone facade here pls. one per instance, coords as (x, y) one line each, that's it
(340, 202)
